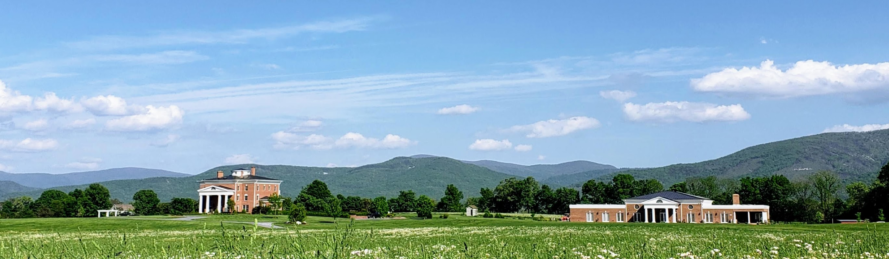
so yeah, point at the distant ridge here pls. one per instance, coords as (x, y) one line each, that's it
(39, 180)
(427, 176)
(542, 172)
(854, 156)
(13, 187)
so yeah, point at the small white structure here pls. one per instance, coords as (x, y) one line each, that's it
(108, 213)
(471, 211)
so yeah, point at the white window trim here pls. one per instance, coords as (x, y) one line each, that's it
(605, 217)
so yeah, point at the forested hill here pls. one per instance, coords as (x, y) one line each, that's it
(52, 180)
(13, 187)
(427, 176)
(542, 172)
(855, 156)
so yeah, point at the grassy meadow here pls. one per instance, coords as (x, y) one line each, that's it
(236, 236)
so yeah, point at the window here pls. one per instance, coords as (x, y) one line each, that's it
(620, 217)
(246, 197)
(691, 206)
(246, 187)
(237, 198)
(636, 206)
(723, 218)
(605, 217)
(246, 208)
(690, 218)
(660, 201)
(708, 218)
(589, 216)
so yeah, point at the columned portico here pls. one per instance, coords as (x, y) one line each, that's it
(214, 199)
(652, 207)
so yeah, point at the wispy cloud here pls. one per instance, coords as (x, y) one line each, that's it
(853, 128)
(684, 111)
(236, 36)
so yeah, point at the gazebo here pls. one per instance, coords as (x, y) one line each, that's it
(108, 213)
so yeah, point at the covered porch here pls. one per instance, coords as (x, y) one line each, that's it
(657, 210)
(214, 199)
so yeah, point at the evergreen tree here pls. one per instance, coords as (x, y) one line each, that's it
(145, 202)
(451, 202)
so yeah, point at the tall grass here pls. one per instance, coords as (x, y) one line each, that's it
(533, 241)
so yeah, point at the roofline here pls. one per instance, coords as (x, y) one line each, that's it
(241, 180)
(597, 206)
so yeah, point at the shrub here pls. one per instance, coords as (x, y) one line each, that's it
(487, 215)
(499, 216)
(444, 216)
(298, 213)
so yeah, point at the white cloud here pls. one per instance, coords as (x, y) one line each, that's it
(553, 128)
(490, 145)
(154, 118)
(239, 159)
(459, 109)
(37, 125)
(655, 56)
(79, 124)
(83, 165)
(684, 111)
(287, 140)
(29, 145)
(13, 101)
(541, 157)
(352, 139)
(5, 168)
(309, 125)
(165, 57)
(617, 95)
(804, 78)
(107, 105)
(523, 148)
(268, 66)
(170, 139)
(51, 102)
(852, 128)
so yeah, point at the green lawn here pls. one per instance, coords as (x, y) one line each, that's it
(230, 236)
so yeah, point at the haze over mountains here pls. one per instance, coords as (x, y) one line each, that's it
(854, 156)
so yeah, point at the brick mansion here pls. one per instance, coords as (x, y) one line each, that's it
(670, 207)
(242, 186)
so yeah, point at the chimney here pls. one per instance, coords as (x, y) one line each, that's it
(253, 170)
(219, 174)
(736, 199)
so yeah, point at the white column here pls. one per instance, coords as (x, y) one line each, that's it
(218, 203)
(748, 217)
(646, 215)
(675, 215)
(200, 203)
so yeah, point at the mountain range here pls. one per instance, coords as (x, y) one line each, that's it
(53, 180)
(854, 156)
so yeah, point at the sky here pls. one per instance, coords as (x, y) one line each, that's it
(187, 86)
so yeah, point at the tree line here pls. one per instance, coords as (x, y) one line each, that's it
(55, 203)
(818, 198)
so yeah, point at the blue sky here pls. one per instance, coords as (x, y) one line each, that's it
(189, 86)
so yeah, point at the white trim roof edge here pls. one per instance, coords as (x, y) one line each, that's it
(597, 206)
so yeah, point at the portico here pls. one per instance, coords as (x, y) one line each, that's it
(214, 199)
(658, 210)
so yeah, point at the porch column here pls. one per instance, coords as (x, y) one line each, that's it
(200, 203)
(646, 215)
(218, 203)
(748, 217)
(674, 215)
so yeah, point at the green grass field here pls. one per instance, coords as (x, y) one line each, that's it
(224, 236)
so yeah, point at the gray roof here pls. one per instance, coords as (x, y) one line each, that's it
(671, 195)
